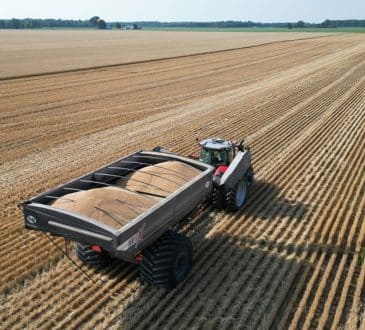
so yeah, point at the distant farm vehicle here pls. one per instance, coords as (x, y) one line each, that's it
(128, 209)
(132, 27)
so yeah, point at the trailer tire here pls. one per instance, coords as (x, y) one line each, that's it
(167, 262)
(218, 198)
(90, 257)
(236, 197)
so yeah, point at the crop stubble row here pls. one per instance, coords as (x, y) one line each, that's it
(25, 266)
(250, 258)
(228, 282)
(116, 92)
(15, 164)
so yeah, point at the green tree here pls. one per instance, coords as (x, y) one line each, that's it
(300, 24)
(101, 24)
(94, 21)
(36, 24)
(14, 24)
(117, 26)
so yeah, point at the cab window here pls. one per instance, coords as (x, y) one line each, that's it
(230, 155)
(214, 157)
(205, 156)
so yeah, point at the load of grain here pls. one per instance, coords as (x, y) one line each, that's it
(110, 205)
(161, 179)
(115, 206)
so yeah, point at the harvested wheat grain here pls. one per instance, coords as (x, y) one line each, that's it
(110, 205)
(161, 179)
(115, 206)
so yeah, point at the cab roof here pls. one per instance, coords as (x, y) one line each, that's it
(215, 144)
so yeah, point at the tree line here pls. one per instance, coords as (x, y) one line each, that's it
(251, 24)
(97, 23)
(32, 23)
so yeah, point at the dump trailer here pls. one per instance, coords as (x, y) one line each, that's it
(128, 209)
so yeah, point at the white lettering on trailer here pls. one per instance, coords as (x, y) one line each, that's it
(134, 240)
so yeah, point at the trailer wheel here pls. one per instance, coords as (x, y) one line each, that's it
(218, 198)
(167, 262)
(236, 197)
(90, 257)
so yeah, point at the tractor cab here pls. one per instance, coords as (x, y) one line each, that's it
(216, 152)
(219, 153)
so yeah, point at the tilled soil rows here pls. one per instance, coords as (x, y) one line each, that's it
(293, 257)
(38, 52)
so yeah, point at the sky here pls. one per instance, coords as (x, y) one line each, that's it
(186, 10)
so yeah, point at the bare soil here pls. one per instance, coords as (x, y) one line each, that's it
(34, 52)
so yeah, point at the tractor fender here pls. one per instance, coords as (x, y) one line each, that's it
(220, 170)
(236, 170)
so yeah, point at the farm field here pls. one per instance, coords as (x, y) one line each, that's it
(30, 52)
(294, 257)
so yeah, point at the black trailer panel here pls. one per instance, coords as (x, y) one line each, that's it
(67, 224)
(147, 227)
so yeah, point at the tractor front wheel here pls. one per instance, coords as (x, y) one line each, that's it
(249, 177)
(236, 197)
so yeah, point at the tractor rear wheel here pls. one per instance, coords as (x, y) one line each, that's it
(249, 177)
(167, 262)
(236, 197)
(218, 198)
(90, 257)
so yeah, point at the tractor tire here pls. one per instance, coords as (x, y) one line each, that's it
(218, 198)
(90, 257)
(249, 177)
(167, 262)
(236, 197)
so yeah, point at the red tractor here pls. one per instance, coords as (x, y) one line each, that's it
(234, 174)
